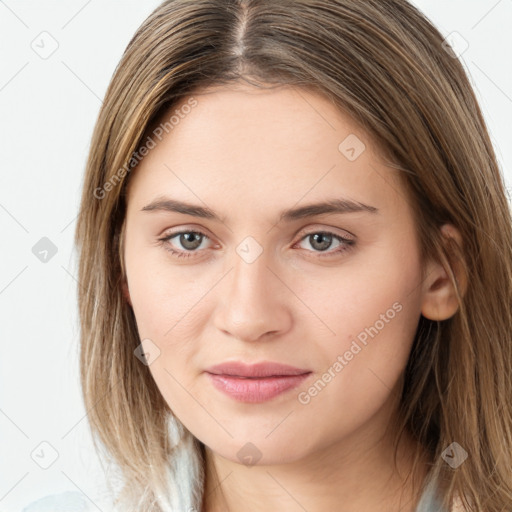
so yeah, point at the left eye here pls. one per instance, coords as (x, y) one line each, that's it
(321, 241)
(191, 242)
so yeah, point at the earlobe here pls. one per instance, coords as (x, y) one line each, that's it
(440, 300)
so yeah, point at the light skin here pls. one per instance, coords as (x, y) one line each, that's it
(247, 155)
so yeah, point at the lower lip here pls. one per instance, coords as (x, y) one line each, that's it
(255, 390)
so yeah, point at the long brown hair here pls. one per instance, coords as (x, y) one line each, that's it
(384, 64)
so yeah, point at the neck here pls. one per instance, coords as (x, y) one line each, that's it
(347, 477)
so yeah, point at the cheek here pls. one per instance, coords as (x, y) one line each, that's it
(170, 312)
(374, 311)
(164, 295)
(371, 307)
(170, 309)
(353, 296)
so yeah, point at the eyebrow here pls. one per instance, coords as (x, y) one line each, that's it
(311, 210)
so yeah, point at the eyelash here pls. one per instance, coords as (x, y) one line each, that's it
(347, 243)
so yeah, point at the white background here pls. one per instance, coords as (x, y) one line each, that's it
(47, 111)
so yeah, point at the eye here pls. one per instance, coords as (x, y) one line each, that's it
(322, 241)
(188, 243)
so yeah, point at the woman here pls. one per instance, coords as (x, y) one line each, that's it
(296, 266)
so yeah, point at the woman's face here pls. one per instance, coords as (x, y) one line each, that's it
(260, 274)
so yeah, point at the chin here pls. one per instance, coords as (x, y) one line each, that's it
(259, 453)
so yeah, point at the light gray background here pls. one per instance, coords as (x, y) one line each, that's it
(47, 110)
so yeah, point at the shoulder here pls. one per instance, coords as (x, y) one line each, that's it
(63, 502)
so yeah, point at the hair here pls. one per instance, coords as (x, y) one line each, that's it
(384, 64)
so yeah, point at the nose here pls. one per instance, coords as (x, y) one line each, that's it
(253, 301)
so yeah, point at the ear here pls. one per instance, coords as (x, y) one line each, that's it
(439, 296)
(126, 292)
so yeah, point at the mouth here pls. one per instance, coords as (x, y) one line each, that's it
(255, 383)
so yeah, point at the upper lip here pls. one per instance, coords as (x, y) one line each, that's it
(262, 369)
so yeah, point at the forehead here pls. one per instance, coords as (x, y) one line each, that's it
(246, 145)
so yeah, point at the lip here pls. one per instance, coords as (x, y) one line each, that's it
(263, 369)
(255, 383)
